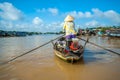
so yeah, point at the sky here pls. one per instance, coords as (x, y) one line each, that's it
(49, 15)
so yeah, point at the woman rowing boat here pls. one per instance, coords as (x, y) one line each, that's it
(68, 47)
(69, 29)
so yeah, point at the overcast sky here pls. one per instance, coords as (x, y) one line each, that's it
(48, 15)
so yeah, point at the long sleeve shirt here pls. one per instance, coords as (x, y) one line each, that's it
(69, 28)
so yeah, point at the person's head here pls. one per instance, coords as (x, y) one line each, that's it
(69, 18)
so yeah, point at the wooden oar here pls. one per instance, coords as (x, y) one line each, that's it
(86, 42)
(99, 46)
(29, 51)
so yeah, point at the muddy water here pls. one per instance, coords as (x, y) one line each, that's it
(42, 64)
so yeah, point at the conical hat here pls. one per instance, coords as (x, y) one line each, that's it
(69, 18)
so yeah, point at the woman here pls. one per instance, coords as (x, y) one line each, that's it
(69, 29)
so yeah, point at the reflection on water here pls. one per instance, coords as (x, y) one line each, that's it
(42, 64)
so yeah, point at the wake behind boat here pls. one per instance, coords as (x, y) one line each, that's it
(72, 55)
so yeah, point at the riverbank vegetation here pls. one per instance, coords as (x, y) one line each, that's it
(24, 33)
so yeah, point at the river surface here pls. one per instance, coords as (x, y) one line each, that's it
(42, 64)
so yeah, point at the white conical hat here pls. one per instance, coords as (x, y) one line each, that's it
(69, 18)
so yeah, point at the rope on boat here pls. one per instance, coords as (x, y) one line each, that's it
(100, 46)
(30, 50)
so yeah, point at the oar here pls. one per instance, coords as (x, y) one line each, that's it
(100, 46)
(29, 51)
(86, 42)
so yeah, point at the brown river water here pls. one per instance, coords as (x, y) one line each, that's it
(42, 64)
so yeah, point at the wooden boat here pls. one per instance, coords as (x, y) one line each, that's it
(69, 56)
(114, 33)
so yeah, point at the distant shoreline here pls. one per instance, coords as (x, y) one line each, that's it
(23, 33)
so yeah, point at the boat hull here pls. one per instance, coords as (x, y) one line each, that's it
(70, 57)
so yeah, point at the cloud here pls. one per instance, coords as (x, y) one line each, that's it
(41, 10)
(37, 21)
(92, 18)
(6, 24)
(40, 25)
(11, 18)
(87, 15)
(53, 11)
(9, 12)
(80, 14)
(97, 13)
(109, 17)
(112, 15)
(54, 26)
(93, 23)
